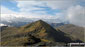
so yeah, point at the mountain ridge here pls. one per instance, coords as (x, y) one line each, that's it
(73, 30)
(35, 33)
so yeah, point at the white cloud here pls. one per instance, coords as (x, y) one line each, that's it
(5, 10)
(60, 4)
(39, 16)
(29, 5)
(9, 15)
(76, 15)
(55, 4)
(6, 13)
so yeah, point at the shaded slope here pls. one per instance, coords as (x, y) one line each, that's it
(74, 31)
(42, 30)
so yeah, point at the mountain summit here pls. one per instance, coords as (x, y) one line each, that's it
(36, 33)
(42, 30)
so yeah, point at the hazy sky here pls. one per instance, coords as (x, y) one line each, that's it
(71, 10)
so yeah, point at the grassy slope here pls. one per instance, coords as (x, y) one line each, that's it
(37, 33)
(75, 31)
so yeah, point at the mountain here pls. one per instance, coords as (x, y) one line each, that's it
(16, 22)
(38, 33)
(43, 30)
(11, 37)
(75, 31)
(11, 20)
(56, 24)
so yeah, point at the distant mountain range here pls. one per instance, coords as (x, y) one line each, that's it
(40, 33)
(21, 21)
(56, 24)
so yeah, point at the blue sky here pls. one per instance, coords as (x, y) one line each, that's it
(71, 10)
(13, 6)
(10, 5)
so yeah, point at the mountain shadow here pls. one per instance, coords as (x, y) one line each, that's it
(37, 40)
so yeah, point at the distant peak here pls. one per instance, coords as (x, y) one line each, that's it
(40, 20)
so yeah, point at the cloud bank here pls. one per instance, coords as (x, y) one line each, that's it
(60, 10)
(76, 15)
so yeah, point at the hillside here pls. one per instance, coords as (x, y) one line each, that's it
(11, 37)
(38, 33)
(56, 24)
(75, 31)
